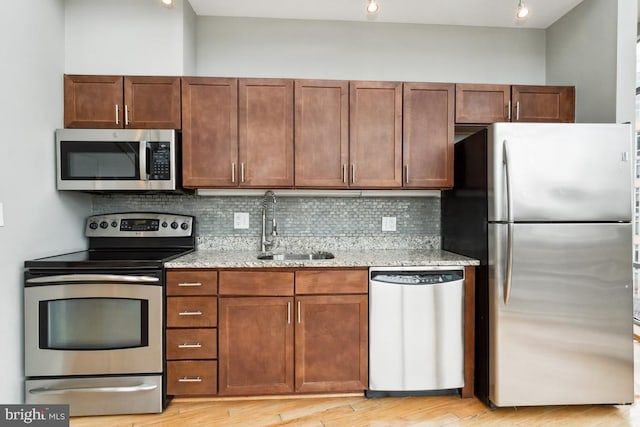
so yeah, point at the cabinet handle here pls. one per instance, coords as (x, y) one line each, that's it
(190, 313)
(242, 172)
(344, 173)
(126, 115)
(298, 311)
(353, 173)
(288, 313)
(117, 115)
(186, 284)
(196, 345)
(509, 110)
(190, 380)
(406, 174)
(518, 111)
(233, 172)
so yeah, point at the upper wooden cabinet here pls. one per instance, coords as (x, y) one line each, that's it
(114, 102)
(209, 132)
(321, 133)
(265, 120)
(483, 104)
(543, 104)
(375, 134)
(428, 132)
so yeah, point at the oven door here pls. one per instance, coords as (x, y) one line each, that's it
(93, 324)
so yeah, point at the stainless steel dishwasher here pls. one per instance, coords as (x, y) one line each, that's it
(416, 332)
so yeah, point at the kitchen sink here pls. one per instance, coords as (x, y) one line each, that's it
(297, 256)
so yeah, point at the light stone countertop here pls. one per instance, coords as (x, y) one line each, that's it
(208, 258)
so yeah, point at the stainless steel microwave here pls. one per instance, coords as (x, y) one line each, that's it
(117, 160)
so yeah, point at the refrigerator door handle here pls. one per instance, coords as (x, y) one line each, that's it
(507, 278)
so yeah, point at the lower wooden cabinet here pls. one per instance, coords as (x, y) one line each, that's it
(260, 335)
(190, 377)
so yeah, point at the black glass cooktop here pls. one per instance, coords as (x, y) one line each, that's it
(105, 258)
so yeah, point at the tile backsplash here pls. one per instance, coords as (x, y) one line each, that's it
(334, 222)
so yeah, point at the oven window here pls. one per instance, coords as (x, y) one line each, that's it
(94, 323)
(99, 160)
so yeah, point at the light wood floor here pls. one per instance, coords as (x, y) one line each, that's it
(354, 411)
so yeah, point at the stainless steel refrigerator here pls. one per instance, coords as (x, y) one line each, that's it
(546, 208)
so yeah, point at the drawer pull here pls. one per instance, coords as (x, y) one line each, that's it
(187, 284)
(190, 380)
(197, 345)
(190, 313)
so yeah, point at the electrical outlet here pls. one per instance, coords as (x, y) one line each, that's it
(241, 220)
(388, 223)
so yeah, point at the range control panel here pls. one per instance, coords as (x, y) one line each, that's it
(141, 224)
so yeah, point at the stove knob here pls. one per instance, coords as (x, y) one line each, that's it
(164, 224)
(93, 225)
(184, 226)
(174, 225)
(114, 224)
(104, 224)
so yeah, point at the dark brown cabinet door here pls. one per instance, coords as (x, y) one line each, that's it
(375, 134)
(331, 343)
(93, 101)
(152, 102)
(482, 103)
(255, 346)
(209, 132)
(321, 133)
(543, 104)
(428, 131)
(266, 132)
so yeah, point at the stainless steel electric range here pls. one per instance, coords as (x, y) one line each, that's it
(94, 319)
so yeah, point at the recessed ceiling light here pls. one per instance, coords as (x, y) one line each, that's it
(372, 7)
(167, 3)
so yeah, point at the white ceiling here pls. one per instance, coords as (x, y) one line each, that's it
(486, 13)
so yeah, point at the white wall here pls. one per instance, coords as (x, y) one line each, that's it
(582, 50)
(626, 61)
(133, 37)
(38, 220)
(251, 47)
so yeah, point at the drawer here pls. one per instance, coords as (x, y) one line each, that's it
(192, 282)
(192, 377)
(256, 283)
(192, 344)
(309, 282)
(192, 312)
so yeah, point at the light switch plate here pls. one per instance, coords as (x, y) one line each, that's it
(388, 223)
(1, 216)
(241, 220)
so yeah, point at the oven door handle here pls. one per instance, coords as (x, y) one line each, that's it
(64, 278)
(121, 389)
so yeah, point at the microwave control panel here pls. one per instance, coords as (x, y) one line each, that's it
(159, 161)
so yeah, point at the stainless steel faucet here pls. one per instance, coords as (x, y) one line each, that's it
(270, 242)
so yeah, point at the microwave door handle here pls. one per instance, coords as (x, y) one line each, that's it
(142, 158)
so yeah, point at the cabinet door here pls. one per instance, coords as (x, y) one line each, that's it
(375, 134)
(152, 102)
(321, 133)
(255, 346)
(93, 101)
(209, 132)
(482, 103)
(428, 135)
(266, 132)
(331, 343)
(543, 104)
